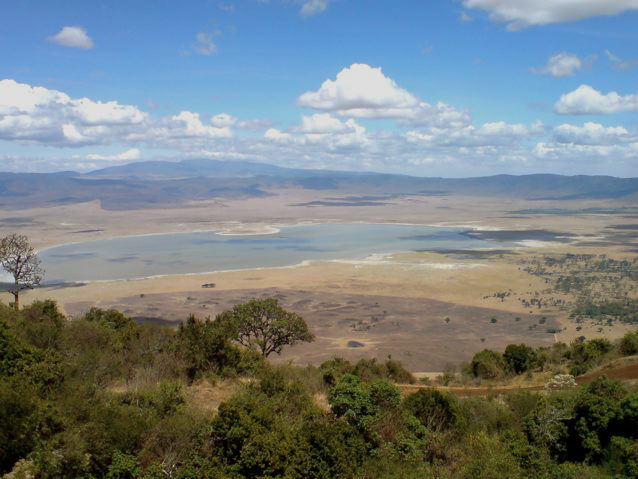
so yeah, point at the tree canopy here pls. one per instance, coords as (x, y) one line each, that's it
(264, 326)
(18, 258)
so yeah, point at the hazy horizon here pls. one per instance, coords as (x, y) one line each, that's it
(448, 89)
(336, 170)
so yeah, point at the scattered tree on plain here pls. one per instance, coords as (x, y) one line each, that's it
(19, 259)
(264, 326)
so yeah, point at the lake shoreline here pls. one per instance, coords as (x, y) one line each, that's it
(298, 245)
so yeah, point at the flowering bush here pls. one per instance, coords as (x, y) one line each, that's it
(561, 381)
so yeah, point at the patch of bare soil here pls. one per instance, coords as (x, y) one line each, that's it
(425, 334)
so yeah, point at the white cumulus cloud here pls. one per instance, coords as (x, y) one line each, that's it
(518, 14)
(359, 87)
(488, 134)
(322, 132)
(74, 37)
(40, 115)
(362, 91)
(560, 65)
(324, 123)
(586, 100)
(591, 134)
(274, 134)
(192, 126)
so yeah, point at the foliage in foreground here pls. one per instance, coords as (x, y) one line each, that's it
(100, 396)
(579, 357)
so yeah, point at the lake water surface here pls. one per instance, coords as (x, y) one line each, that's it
(179, 253)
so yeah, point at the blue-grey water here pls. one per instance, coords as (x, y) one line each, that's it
(178, 253)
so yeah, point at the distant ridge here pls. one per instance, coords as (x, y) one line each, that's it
(206, 168)
(163, 184)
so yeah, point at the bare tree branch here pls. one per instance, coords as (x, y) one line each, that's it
(18, 258)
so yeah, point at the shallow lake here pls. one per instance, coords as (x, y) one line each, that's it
(179, 253)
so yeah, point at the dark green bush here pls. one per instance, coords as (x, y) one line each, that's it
(485, 414)
(41, 324)
(333, 369)
(19, 421)
(435, 409)
(597, 415)
(622, 457)
(519, 358)
(488, 364)
(350, 399)
(100, 396)
(365, 369)
(206, 346)
(629, 344)
(548, 425)
(588, 354)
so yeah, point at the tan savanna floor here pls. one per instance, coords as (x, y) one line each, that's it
(417, 291)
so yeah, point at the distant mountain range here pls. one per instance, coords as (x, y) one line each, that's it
(164, 170)
(161, 184)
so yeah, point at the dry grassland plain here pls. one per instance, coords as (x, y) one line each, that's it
(425, 309)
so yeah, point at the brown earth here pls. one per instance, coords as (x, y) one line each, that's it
(413, 330)
(345, 303)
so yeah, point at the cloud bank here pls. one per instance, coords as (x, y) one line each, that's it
(519, 14)
(361, 119)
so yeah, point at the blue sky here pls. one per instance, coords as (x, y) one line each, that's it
(433, 88)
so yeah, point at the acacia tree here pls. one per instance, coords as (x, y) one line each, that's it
(265, 326)
(18, 258)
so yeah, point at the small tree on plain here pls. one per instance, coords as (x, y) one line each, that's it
(18, 258)
(264, 326)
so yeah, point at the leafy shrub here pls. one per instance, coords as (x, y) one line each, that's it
(488, 458)
(623, 457)
(596, 417)
(629, 344)
(333, 369)
(587, 354)
(397, 373)
(124, 466)
(548, 424)
(519, 358)
(435, 409)
(366, 370)
(369, 369)
(488, 364)
(522, 403)
(205, 346)
(19, 419)
(255, 434)
(629, 416)
(532, 459)
(484, 414)
(163, 400)
(327, 449)
(350, 399)
(41, 324)
(122, 328)
(40, 367)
